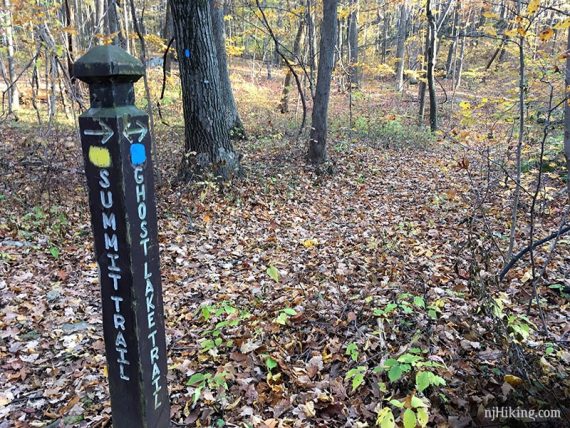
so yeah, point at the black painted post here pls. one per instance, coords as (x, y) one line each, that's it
(118, 166)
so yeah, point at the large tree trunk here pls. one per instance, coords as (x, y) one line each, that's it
(318, 137)
(207, 143)
(402, 31)
(13, 94)
(353, 43)
(231, 114)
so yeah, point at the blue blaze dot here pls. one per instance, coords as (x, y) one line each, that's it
(187, 52)
(138, 154)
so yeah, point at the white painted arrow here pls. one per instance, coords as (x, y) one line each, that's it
(133, 131)
(106, 132)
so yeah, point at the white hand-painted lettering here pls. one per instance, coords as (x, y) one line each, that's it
(106, 199)
(150, 297)
(119, 321)
(104, 182)
(111, 242)
(113, 259)
(109, 221)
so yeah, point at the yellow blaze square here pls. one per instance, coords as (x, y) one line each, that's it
(100, 156)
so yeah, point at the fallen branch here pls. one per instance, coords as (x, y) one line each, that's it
(520, 254)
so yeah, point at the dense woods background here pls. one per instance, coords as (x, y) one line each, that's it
(363, 209)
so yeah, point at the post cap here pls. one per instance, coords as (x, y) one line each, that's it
(103, 63)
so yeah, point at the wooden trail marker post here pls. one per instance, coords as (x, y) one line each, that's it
(117, 154)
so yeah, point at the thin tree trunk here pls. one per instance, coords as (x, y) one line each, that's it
(71, 42)
(115, 24)
(458, 70)
(431, 59)
(402, 30)
(318, 137)
(516, 198)
(125, 27)
(284, 104)
(99, 15)
(13, 93)
(311, 40)
(167, 33)
(207, 146)
(452, 52)
(422, 78)
(353, 43)
(139, 29)
(385, 35)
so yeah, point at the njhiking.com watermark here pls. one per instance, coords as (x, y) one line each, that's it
(498, 413)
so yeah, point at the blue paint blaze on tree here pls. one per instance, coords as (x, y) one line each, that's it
(187, 53)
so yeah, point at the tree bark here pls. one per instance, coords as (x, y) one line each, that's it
(353, 43)
(13, 93)
(284, 104)
(167, 33)
(452, 52)
(318, 137)
(458, 69)
(231, 114)
(311, 42)
(520, 140)
(99, 16)
(431, 58)
(402, 30)
(422, 79)
(207, 142)
(385, 36)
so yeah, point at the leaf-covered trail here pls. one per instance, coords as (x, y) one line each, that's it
(274, 289)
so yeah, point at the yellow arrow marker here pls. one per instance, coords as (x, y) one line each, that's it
(100, 156)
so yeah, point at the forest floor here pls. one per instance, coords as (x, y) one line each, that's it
(327, 283)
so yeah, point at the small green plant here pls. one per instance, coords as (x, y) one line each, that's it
(357, 375)
(408, 362)
(352, 351)
(414, 412)
(227, 317)
(199, 381)
(406, 303)
(270, 363)
(54, 221)
(519, 327)
(284, 315)
(273, 273)
(54, 251)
